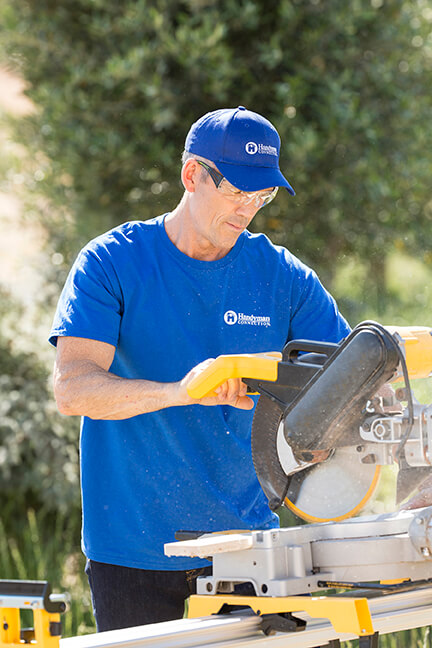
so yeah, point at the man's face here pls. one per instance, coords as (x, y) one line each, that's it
(218, 218)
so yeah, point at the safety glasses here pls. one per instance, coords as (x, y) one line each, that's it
(259, 198)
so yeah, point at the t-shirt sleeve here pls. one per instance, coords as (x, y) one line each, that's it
(315, 315)
(90, 305)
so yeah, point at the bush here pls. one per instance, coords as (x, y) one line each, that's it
(38, 447)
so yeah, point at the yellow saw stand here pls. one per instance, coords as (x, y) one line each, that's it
(16, 595)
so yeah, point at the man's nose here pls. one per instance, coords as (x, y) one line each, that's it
(247, 209)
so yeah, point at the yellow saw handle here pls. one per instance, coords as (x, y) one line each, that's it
(262, 366)
(416, 342)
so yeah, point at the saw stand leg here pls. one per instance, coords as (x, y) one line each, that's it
(369, 642)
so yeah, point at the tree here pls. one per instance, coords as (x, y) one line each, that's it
(118, 84)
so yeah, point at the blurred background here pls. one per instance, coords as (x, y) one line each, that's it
(96, 97)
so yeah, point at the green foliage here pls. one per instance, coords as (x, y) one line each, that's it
(403, 299)
(46, 547)
(118, 84)
(38, 448)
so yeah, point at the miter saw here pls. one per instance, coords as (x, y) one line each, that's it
(321, 431)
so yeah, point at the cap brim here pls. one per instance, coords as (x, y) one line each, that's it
(252, 178)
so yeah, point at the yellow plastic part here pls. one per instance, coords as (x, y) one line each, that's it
(10, 626)
(10, 629)
(310, 518)
(417, 344)
(347, 615)
(262, 366)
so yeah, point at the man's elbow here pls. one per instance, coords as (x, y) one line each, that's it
(67, 403)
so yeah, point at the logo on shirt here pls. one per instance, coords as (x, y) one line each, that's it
(252, 148)
(231, 318)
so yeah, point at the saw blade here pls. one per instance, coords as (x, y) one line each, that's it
(332, 490)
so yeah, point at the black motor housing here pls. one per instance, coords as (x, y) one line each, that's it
(330, 408)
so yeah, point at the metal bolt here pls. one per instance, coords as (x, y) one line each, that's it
(209, 587)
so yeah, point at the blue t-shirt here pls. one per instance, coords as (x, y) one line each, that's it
(188, 467)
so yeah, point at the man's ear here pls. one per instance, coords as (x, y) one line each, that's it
(190, 174)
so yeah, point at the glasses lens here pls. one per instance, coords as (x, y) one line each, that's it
(227, 189)
(259, 198)
(268, 196)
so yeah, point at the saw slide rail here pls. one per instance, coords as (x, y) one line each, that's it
(389, 614)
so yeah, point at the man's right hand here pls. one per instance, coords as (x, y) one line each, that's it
(231, 392)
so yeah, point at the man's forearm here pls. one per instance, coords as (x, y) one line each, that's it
(91, 391)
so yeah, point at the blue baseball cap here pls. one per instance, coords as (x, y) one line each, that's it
(243, 145)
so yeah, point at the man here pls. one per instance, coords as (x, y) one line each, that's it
(144, 308)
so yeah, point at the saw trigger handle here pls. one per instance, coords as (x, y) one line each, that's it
(247, 365)
(292, 349)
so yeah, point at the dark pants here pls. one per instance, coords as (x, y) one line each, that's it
(123, 597)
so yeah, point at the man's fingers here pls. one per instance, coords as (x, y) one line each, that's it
(243, 402)
(231, 389)
(233, 392)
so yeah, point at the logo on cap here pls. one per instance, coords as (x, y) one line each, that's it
(251, 148)
(264, 149)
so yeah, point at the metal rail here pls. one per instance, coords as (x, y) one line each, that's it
(390, 613)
